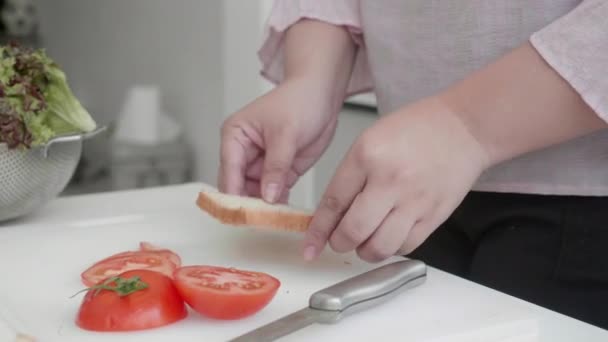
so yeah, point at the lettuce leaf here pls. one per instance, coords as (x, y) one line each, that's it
(36, 100)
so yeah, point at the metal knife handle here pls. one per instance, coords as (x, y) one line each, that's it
(331, 304)
(369, 288)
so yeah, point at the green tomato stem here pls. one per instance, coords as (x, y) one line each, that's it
(123, 287)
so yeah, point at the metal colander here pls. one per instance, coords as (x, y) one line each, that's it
(31, 178)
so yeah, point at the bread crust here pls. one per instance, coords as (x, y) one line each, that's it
(257, 218)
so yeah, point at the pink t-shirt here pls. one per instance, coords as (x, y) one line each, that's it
(409, 49)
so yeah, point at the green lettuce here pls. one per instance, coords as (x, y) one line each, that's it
(36, 102)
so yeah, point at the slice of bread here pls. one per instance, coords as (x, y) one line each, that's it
(252, 212)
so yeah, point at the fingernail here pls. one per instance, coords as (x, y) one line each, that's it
(271, 193)
(310, 253)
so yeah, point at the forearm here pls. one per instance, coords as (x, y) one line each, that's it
(519, 104)
(320, 53)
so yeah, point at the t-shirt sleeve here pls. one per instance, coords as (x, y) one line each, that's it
(576, 46)
(285, 13)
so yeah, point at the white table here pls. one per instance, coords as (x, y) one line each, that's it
(58, 242)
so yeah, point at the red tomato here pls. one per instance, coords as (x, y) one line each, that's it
(225, 293)
(156, 305)
(148, 247)
(126, 261)
(169, 254)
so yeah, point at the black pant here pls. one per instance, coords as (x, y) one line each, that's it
(548, 250)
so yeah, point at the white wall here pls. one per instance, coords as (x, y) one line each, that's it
(106, 46)
(242, 31)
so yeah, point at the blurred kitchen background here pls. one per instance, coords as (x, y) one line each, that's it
(162, 75)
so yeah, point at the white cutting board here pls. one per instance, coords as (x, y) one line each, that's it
(43, 256)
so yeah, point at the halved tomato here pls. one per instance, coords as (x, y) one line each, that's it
(133, 260)
(126, 261)
(169, 254)
(225, 293)
(134, 300)
(148, 247)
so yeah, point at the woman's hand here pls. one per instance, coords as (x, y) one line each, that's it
(271, 142)
(404, 176)
(400, 180)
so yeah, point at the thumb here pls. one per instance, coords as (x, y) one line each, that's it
(279, 156)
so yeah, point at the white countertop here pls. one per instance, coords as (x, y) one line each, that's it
(58, 242)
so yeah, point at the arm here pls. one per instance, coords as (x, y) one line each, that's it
(317, 65)
(310, 51)
(390, 192)
(521, 103)
(327, 21)
(321, 54)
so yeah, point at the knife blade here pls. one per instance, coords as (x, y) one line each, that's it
(330, 305)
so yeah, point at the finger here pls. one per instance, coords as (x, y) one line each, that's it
(252, 188)
(231, 171)
(345, 184)
(233, 160)
(255, 169)
(284, 199)
(364, 216)
(419, 233)
(280, 152)
(389, 237)
(426, 226)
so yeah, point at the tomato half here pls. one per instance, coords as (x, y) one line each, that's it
(126, 261)
(169, 254)
(225, 293)
(148, 247)
(156, 305)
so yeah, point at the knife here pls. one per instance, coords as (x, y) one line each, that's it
(331, 304)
